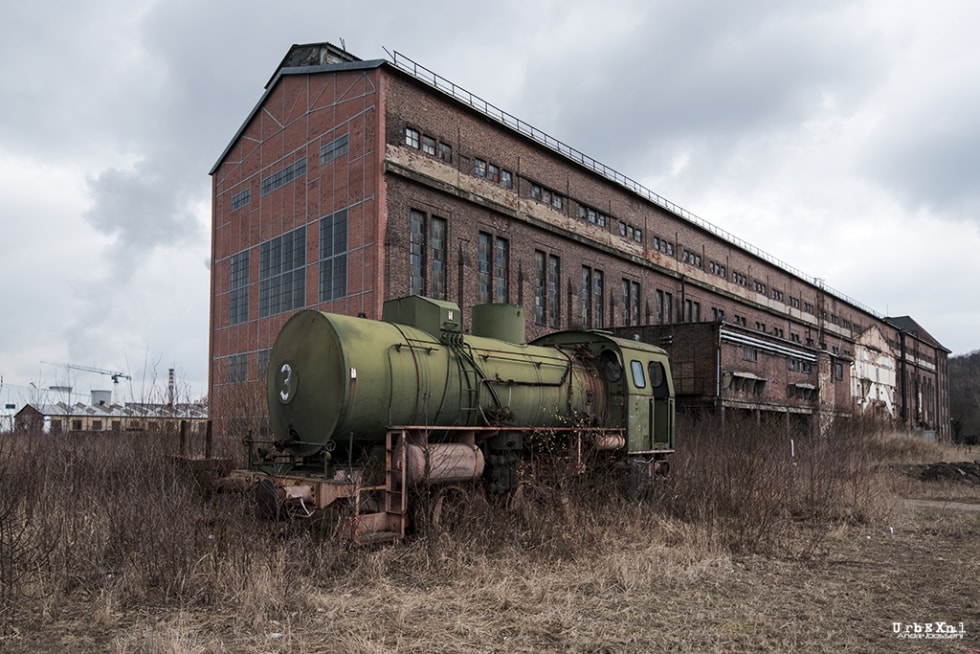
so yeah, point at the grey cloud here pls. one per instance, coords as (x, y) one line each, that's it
(142, 207)
(933, 165)
(707, 82)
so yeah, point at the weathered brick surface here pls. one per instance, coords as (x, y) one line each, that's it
(380, 180)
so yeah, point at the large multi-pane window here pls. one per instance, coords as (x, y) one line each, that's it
(540, 285)
(554, 291)
(592, 297)
(631, 302)
(547, 289)
(238, 288)
(437, 242)
(264, 356)
(598, 299)
(427, 252)
(237, 368)
(493, 272)
(665, 308)
(484, 265)
(282, 273)
(586, 296)
(501, 270)
(333, 256)
(692, 311)
(416, 253)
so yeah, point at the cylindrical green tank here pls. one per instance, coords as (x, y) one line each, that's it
(338, 378)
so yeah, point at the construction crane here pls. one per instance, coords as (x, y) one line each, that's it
(116, 376)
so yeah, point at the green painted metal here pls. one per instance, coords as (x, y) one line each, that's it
(638, 386)
(338, 378)
(431, 316)
(503, 321)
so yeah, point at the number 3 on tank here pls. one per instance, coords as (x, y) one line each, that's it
(287, 383)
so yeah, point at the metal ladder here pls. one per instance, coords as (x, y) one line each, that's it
(390, 523)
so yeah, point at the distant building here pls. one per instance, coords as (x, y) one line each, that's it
(353, 182)
(62, 417)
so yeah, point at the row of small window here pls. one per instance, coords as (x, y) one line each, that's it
(487, 170)
(630, 232)
(282, 271)
(592, 215)
(493, 172)
(545, 195)
(428, 144)
(776, 331)
(663, 245)
(328, 152)
(498, 175)
(131, 424)
(794, 364)
(799, 365)
(756, 386)
(283, 176)
(761, 288)
(748, 385)
(742, 280)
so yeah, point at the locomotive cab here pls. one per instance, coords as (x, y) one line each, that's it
(639, 388)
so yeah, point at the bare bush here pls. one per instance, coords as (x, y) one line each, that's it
(109, 521)
(747, 484)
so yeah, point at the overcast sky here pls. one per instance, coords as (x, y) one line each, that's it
(840, 137)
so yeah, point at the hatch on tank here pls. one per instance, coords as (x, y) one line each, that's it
(501, 321)
(431, 316)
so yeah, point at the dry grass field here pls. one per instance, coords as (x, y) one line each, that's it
(748, 546)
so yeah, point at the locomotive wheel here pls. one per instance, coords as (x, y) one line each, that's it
(452, 505)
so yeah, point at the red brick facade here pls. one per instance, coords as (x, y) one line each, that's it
(419, 159)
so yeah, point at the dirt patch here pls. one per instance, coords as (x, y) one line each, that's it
(943, 505)
(967, 472)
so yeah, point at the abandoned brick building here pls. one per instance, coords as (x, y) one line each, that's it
(352, 182)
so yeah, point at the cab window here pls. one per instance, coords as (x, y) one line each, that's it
(639, 380)
(658, 379)
(610, 366)
(656, 371)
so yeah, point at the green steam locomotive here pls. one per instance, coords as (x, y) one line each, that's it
(370, 416)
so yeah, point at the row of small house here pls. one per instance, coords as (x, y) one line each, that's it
(61, 417)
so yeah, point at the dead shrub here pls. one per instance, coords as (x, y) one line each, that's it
(747, 484)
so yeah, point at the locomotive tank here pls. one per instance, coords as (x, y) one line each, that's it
(335, 379)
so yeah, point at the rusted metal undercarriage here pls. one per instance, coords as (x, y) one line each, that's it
(377, 505)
